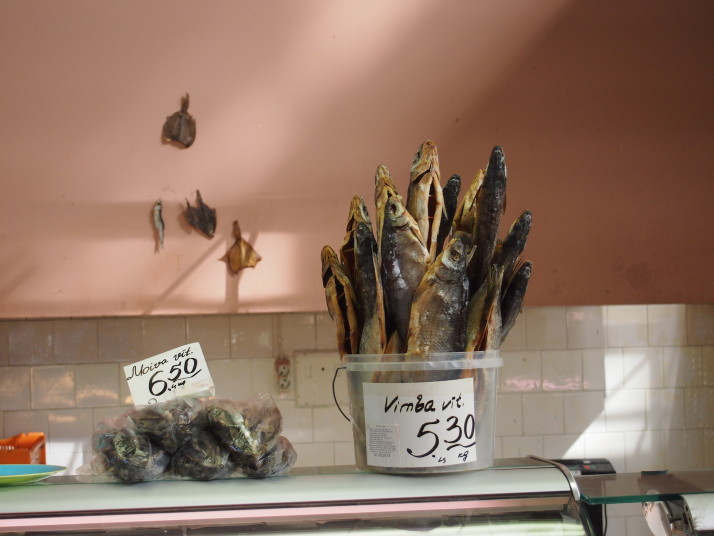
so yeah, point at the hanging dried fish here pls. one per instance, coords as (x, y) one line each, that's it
(158, 224)
(202, 217)
(181, 126)
(241, 254)
(341, 302)
(425, 201)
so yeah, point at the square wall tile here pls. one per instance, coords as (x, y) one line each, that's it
(563, 446)
(4, 331)
(626, 325)
(545, 328)
(584, 412)
(296, 332)
(521, 446)
(325, 332)
(683, 450)
(15, 388)
(667, 325)
(314, 454)
(699, 407)
(344, 453)
(163, 333)
(609, 445)
(509, 415)
(644, 451)
(700, 324)
(97, 384)
(120, 339)
(30, 342)
(252, 335)
(642, 367)
(707, 355)
(585, 327)
(231, 378)
(53, 387)
(543, 414)
(683, 366)
(521, 371)
(602, 369)
(330, 425)
(625, 410)
(213, 333)
(297, 422)
(562, 370)
(72, 428)
(75, 340)
(19, 422)
(262, 375)
(665, 409)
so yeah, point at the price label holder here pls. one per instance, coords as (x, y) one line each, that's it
(179, 372)
(427, 424)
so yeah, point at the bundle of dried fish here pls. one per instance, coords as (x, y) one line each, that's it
(444, 281)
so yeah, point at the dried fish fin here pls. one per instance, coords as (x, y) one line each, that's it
(201, 217)
(241, 254)
(180, 127)
(341, 302)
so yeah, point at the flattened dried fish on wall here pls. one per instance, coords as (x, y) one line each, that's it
(202, 217)
(158, 224)
(180, 126)
(241, 254)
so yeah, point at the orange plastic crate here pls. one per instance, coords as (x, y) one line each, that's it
(23, 448)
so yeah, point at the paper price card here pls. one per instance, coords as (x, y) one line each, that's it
(178, 372)
(420, 424)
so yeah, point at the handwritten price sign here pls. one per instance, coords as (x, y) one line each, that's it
(178, 372)
(420, 424)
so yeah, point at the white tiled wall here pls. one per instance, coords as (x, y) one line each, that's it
(632, 383)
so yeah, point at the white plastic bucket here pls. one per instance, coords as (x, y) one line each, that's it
(423, 416)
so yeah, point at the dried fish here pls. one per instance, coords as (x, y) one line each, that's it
(464, 219)
(451, 197)
(202, 217)
(507, 252)
(512, 297)
(480, 311)
(425, 201)
(404, 262)
(341, 302)
(490, 205)
(241, 254)
(358, 214)
(368, 292)
(180, 126)
(438, 314)
(384, 189)
(158, 224)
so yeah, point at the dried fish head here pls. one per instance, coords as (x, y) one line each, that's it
(180, 127)
(201, 217)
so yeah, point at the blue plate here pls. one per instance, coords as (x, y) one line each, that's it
(22, 473)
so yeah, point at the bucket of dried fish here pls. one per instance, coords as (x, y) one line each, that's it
(423, 416)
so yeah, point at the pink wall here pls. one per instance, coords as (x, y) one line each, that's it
(605, 113)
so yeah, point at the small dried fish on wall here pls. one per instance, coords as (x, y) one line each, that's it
(433, 269)
(180, 127)
(201, 217)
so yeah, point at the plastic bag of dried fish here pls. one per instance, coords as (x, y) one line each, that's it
(201, 458)
(171, 424)
(125, 453)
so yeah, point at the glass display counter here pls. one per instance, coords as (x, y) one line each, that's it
(522, 496)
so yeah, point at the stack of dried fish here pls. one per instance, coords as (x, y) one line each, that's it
(432, 275)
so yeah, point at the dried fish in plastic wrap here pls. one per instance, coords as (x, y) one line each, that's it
(202, 458)
(126, 454)
(247, 429)
(277, 461)
(171, 423)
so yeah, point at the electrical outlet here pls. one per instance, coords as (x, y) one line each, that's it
(314, 372)
(283, 373)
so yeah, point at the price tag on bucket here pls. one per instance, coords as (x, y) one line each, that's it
(178, 372)
(425, 424)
